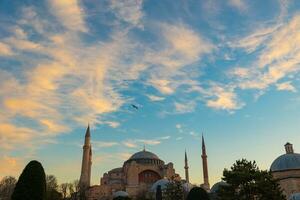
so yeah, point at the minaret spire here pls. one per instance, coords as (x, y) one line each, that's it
(204, 165)
(85, 176)
(186, 168)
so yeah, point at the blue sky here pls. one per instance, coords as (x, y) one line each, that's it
(228, 69)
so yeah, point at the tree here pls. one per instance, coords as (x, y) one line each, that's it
(31, 183)
(121, 198)
(52, 188)
(64, 189)
(174, 190)
(197, 193)
(7, 186)
(246, 182)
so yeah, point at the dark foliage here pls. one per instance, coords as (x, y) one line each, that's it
(173, 191)
(197, 193)
(246, 182)
(122, 198)
(7, 185)
(31, 184)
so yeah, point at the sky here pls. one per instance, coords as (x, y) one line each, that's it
(226, 69)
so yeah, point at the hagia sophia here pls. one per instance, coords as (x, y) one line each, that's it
(144, 171)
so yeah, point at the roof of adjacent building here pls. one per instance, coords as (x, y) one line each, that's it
(162, 183)
(217, 186)
(120, 194)
(287, 161)
(144, 155)
(295, 196)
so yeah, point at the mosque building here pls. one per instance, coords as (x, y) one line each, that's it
(140, 174)
(285, 169)
(144, 171)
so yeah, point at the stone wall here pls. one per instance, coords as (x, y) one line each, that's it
(289, 181)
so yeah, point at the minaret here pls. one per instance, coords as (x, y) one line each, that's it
(85, 177)
(204, 165)
(186, 168)
(90, 165)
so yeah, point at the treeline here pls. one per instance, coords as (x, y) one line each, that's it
(33, 175)
(243, 181)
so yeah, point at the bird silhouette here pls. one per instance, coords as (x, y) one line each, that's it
(134, 106)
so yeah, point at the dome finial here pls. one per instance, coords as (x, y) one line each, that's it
(144, 148)
(289, 148)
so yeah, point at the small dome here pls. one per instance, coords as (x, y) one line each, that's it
(162, 182)
(286, 162)
(144, 155)
(295, 196)
(187, 186)
(217, 185)
(120, 194)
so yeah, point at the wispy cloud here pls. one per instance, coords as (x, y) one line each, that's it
(239, 4)
(186, 107)
(129, 11)
(277, 58)
(5, 49)
(155, 98)
(102, 144)
(70, 13)
(10, 166)
(286, 86)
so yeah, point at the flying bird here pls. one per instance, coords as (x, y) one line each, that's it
(134, 106)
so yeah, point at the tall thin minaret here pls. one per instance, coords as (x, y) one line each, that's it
(90, 164)
(204, 165)
(85, 177)
(186, 168)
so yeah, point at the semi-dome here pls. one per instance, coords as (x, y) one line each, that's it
(295, 196)
(120, 194)
(287, 161)
(143, 155)
(162, 182)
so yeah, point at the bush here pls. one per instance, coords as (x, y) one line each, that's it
(197, 193)
(122, 198)
(31, 184)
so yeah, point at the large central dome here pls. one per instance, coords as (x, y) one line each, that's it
(143, 155)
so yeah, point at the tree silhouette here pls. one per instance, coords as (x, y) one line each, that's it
(31, 184)
(197, 193)
(246, 182)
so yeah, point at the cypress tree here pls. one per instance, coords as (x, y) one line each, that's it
(31, 184)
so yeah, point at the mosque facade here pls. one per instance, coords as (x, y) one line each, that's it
(138, 175)
(144, 170)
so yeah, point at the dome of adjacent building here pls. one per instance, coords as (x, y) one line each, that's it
(187, 186)
(217, 186)
(162, 183)
(288, 161)
(120, 194)
(295, 196)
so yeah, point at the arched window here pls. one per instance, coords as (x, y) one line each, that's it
(148, 177)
